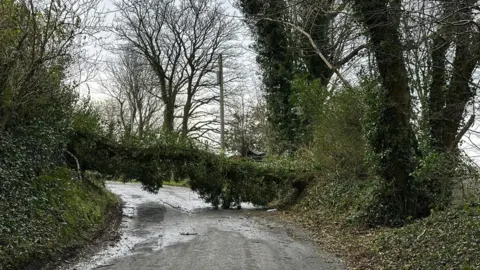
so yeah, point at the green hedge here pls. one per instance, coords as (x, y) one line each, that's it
(48, 216)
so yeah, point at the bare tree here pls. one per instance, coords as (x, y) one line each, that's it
(246, 125)
(131, 84)
(450, 92)
(181, 40)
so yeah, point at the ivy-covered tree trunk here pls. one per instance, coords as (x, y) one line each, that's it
(391, 138)
(276, 61)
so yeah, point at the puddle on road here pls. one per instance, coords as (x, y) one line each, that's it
(150, 212)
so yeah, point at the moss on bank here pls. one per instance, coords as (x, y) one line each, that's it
(50, 216)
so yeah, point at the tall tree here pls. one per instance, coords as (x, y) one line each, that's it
(394, 140)
(275, 58)
(449, 92)
(392, 136)
(285, 52)
(181, 40)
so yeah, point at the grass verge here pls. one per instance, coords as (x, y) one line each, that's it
(445, 240)
(51, 219)
(184, 183)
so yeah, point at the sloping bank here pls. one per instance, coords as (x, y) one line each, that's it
(50, 218)
(448, 239)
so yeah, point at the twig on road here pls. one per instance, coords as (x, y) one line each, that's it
(173, 206)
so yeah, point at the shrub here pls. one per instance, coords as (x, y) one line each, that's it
(336, 157)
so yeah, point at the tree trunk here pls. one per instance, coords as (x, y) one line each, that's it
(447, 100)
(459, 93)
(169, 115)
(394, 140)
(186, 116)
(168, 99)
(436, 98)
(275, 58)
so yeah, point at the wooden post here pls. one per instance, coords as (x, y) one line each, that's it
(222, 112)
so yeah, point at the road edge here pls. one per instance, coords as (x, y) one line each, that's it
(299, 233)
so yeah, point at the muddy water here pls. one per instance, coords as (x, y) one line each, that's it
(175, 229)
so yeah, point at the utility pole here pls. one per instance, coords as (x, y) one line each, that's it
(222, 116)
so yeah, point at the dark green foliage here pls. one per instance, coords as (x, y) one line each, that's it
(391, 155)
(32, 147)
(350, 173)
(43, 209)
(276, 61)
(35, 105)
(48, 215)
(342, 180)
(217, 179)
(252, 182)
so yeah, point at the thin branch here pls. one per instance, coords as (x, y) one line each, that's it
(464, 130)
(351, 55)
(317, 50)
(79, 172)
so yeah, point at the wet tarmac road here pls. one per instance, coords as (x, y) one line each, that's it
(174, 229)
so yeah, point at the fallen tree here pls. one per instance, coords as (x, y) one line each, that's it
(217, 179)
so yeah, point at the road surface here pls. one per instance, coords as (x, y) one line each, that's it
(174, 229)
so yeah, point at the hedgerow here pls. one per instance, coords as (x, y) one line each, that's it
(48, 217)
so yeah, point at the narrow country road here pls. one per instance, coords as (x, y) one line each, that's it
(174, 229)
